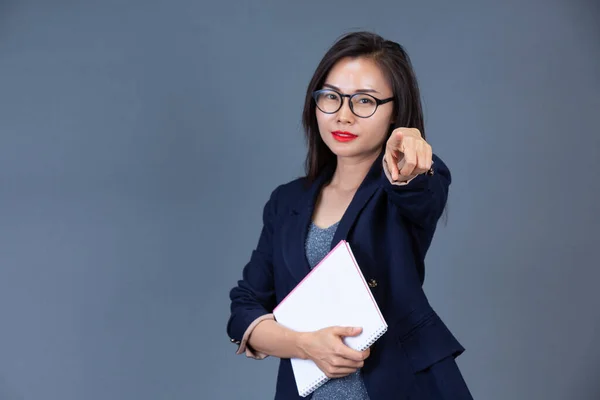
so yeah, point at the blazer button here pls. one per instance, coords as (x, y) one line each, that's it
(235, 341)
(372, 283)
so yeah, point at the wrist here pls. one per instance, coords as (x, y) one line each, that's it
(301, 339)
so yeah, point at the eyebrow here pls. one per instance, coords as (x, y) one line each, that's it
(357, 91)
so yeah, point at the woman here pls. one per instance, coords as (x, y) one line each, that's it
(372, 180)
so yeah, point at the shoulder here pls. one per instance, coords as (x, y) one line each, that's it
(292, 188)
(284, 196)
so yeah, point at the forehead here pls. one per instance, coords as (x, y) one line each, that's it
(351, 74)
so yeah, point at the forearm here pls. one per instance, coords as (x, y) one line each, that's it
(271, 338)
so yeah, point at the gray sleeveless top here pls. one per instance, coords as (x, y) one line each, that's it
(350, 387)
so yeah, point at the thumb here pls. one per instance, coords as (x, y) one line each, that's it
(348, 331)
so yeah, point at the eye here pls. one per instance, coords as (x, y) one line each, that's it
(364, 100)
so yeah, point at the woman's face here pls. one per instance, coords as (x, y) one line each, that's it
(346, 134)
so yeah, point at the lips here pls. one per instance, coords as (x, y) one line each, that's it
(342, 136)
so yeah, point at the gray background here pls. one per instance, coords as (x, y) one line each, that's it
(139, 141)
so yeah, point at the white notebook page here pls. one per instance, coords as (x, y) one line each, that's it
(334, 293)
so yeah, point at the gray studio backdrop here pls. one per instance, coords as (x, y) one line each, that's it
(139, 141)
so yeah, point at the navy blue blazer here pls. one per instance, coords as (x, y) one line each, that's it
(389, 228)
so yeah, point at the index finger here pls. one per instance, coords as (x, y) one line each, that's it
(392, 166)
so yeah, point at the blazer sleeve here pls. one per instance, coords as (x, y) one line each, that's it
(420, 199)
(254, 295)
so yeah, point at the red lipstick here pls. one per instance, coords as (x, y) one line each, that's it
(342, 136)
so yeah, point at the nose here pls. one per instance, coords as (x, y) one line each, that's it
(344, 114)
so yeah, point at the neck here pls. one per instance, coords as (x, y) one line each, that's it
(351, 171)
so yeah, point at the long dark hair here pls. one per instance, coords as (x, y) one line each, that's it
(396, 67)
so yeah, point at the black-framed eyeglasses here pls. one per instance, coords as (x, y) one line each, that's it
(362, 105)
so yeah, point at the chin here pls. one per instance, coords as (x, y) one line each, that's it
(349, 152)
(343, 149)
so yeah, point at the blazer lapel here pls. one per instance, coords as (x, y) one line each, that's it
(295, 231)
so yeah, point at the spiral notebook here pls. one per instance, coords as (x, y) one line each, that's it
(334, 293)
